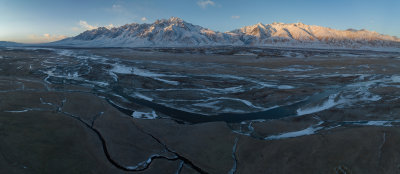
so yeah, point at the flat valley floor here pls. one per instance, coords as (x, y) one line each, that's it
(199, 110)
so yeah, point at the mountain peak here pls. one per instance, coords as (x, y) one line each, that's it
(175, 19)
(259, 25)
(171, 20)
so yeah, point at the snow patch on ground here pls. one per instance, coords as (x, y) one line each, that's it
(122, 69)
(98, 83)
(144, 115)
(139, 95)
(348, 95)
(67, 53)
(262, 84)
(19, 111)
(298, 68)
(248, 103)
(308, 131)
(245, 54)
(232, 110)
(378, 123)
(285, 87)
(331, 102)
(234, 89)
(208, 105)
(387, 123)
(395, 79)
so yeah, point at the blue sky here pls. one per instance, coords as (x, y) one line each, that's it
(47, 20)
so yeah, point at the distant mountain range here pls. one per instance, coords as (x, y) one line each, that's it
(175, 32)
(9, 44)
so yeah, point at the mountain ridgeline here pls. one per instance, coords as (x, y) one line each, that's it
(9, 44)
(175, 32)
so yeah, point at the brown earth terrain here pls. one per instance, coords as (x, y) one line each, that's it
(185, 111)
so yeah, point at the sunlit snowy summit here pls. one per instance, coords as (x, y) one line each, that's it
(175, 32)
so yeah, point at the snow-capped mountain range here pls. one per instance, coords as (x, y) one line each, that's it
(175, 32)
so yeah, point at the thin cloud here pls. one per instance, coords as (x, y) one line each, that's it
(121, 11)
(205, 3)
(144, 19)
(45, 38)
(116, 6)
(235, 17)
(85, 25)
